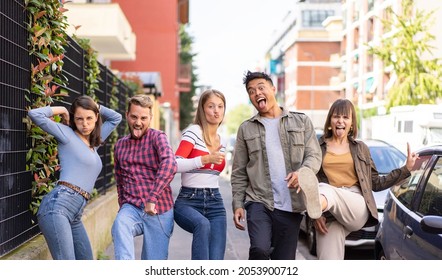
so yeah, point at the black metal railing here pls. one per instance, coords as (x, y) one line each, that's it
(17, 223)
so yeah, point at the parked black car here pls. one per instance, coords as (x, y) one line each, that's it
(412, 224)
(386, 158)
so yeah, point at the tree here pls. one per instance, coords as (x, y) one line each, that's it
(418, 80)
(236, 116)
(186, 99)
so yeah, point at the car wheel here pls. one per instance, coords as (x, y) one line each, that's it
(311, 237)
(381, 255)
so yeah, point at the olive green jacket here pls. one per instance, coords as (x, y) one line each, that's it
(368, 176)
(250, 177)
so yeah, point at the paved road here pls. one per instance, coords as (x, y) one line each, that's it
(237, 241)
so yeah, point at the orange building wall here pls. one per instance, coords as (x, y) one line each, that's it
(155, 23)
(302, 75)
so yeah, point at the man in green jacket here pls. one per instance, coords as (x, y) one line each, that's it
(270, 149)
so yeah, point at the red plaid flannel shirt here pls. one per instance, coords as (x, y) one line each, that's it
(144, 169)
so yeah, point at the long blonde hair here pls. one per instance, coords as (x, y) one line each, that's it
(200, 116)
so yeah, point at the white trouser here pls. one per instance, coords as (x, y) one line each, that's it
(348, 207)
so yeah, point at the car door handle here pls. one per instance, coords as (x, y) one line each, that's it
(408, 232)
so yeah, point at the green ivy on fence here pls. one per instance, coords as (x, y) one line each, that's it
(47, 41)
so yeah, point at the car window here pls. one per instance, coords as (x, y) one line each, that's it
(386, 159)
(431, 203)
(405, 191)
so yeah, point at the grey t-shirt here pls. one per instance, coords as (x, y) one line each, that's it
(281, 194)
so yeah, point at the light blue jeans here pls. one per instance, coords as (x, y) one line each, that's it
(59, 219)
(202, 213)
(132, 221)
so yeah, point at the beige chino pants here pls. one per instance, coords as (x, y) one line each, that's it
(348, 206)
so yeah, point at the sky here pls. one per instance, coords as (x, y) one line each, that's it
(231, 37)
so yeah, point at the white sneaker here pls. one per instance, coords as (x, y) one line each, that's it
(309, 188)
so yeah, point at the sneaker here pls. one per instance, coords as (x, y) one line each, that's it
(309, 188)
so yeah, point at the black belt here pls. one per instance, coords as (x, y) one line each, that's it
(200, 189)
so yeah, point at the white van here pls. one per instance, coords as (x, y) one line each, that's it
(420, 125)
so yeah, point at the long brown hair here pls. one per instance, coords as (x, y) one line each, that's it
(200, 117)
(87, 103)
(342, 107)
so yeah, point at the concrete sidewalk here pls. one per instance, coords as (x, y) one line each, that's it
(181, 241)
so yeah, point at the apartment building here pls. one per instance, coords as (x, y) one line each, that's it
(320, 54)
(367, 80)
(304, 58)
(141, 39)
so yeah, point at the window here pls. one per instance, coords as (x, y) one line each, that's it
(405, 192)
(408, 126)
(435, 135)
(431, 203)
(314, 18)
(386, 159)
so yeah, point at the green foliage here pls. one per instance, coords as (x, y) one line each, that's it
(187, 108)
(92, 67)
(186, 54)
(47, 40)
(102, 256)
(134, 84)
(113, 137)
(418, 80)
(367, 113)
(236, 116)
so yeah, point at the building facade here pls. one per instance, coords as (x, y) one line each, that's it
(321, 54)
(140, 38)
(304, 58)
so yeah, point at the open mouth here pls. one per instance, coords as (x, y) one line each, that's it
(261, 102)
(340, 130)
(137, 131)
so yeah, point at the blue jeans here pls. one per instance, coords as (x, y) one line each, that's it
(202, 212)
(132, 221)
(59, 219)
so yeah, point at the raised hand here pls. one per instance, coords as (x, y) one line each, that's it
(411, 158)
(62, 112)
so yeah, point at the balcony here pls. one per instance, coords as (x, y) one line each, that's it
(107, 28)
(184, 77)
(337, 80)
